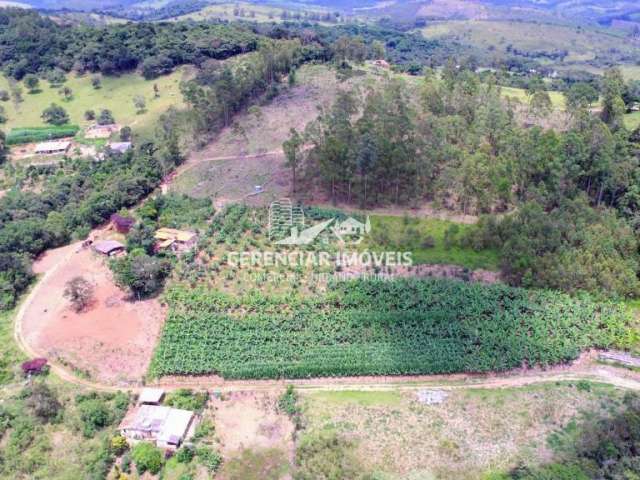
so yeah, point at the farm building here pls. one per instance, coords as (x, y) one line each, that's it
(53, 148)
(176, 240)
(165, 426)
(119, 147)
(122, 224)
(108, 247)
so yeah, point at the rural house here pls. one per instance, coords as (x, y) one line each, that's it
(108, 247)
(165, 426)
(176, 240)
(53, 148)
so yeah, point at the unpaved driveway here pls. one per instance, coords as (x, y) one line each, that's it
(110, 343)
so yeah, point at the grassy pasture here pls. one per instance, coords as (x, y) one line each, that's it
(557, 98)
(474, 433)
(403, 233)
(251, 12)
(116, 94)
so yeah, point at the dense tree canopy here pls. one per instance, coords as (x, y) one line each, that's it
(30, 43)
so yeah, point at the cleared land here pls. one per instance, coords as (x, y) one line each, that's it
(248, 153)
(111, 342)
(471, 434)
(116, 94)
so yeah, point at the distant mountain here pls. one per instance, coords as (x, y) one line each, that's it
(603, 12)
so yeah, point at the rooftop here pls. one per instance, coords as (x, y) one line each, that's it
(165, 424)
(107, 246)
(151, 395)
(175, 235)
(52, 146)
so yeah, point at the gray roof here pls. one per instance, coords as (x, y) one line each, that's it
(120, 146)
(107, 246)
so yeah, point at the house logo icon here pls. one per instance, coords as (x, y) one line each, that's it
(287, 226)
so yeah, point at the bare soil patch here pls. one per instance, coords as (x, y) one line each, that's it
(111, 342)
(255, 439)
(251, 420)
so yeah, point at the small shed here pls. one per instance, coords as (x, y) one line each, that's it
(34, 366)
(382, 64)
(108, 247)
(119, 147)
(122, 224)
(52, 148)
(150, 396)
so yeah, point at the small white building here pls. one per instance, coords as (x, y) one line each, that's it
(53, 148)
(165, 426)
(150, 396)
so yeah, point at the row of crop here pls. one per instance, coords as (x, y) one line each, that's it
(371, 328)
(19, 136)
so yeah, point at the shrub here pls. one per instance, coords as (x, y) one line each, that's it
(186, 399)
(43, 402)
(119, 444)
(147, 457)
(95, 415)
(79, 292)
(209, 458)
(185, 454)
(326, 455)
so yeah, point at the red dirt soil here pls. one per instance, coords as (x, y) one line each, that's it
(112, 341)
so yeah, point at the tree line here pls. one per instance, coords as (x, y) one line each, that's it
(454, 140)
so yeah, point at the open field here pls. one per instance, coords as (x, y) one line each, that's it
(249, 12)
(557, 98)
(581, 44)
(116, 94)
(470, 434)
(414, 234)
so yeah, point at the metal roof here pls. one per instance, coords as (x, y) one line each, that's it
(107, 246)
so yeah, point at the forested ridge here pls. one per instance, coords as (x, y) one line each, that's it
(31, 43)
